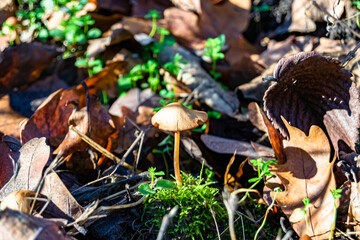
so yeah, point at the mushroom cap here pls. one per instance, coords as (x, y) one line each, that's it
(176, 117)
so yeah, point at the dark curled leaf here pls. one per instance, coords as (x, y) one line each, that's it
(315, 90)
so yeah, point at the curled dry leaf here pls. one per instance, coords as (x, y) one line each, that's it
(22, 64)
(307, 173)
(274, 136)
(15, 225)
(315, 90)
(32, 159)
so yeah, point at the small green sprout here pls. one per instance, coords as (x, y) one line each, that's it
(300, 213)
(336, 194)
(153, 14)
(93, 65)
(174, 67)
(163, 32)
(146, 189)
(213, 51)
(263, 171)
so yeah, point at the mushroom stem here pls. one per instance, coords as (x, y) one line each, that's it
(176, 158)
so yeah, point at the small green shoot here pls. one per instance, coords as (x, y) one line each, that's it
(299, 213)
(174, 67)
(93, 65)
(213, 48)
(153, 14)
(276, 190)
(146, 189)
(336, 194)
(357, 4)
(262, 170)
(163, 32)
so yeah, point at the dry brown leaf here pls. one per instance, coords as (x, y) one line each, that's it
(304, 14)
(255, 117)
(51, 117)
(307, 173)
(15, 225)
(9, 119)
(63, 204)
(230, 181)
(31, 159)
(274, 137)
(315, 90)
(101, 129)
(22, 64)
(228, 146)
(6, 164)
(106, 79)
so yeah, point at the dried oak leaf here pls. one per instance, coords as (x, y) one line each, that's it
(315, 90)
(51, 117)
(15, 225)
(31, 159)
(22, 64)
(307, 173)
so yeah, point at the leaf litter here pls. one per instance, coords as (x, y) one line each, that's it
(82, 157)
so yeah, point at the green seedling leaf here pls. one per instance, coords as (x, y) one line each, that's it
(153, 14)
(251, 180)
(56, 33)
(97, 69)
(165, 184)
(94, 33)
(80, 38)
(94, 62)
(43, 33)
(163, 31)
(145, 189)
(166, 94)
(169, 41)
(81, 62)
(214, 114)
(160, 173)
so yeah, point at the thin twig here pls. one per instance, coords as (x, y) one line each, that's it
(166, 221)
(102, 150)
(321, 8)
(216, 225)
(52, 167)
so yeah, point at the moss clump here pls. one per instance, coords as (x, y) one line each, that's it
(197, 202)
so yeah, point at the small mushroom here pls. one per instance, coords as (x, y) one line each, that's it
(175, 117)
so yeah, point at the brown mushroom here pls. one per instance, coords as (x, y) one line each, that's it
(175, 117)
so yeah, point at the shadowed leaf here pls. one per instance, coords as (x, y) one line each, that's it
(314, 90)
(307, 173)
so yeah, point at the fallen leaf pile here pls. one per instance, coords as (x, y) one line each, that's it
(75, 146)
